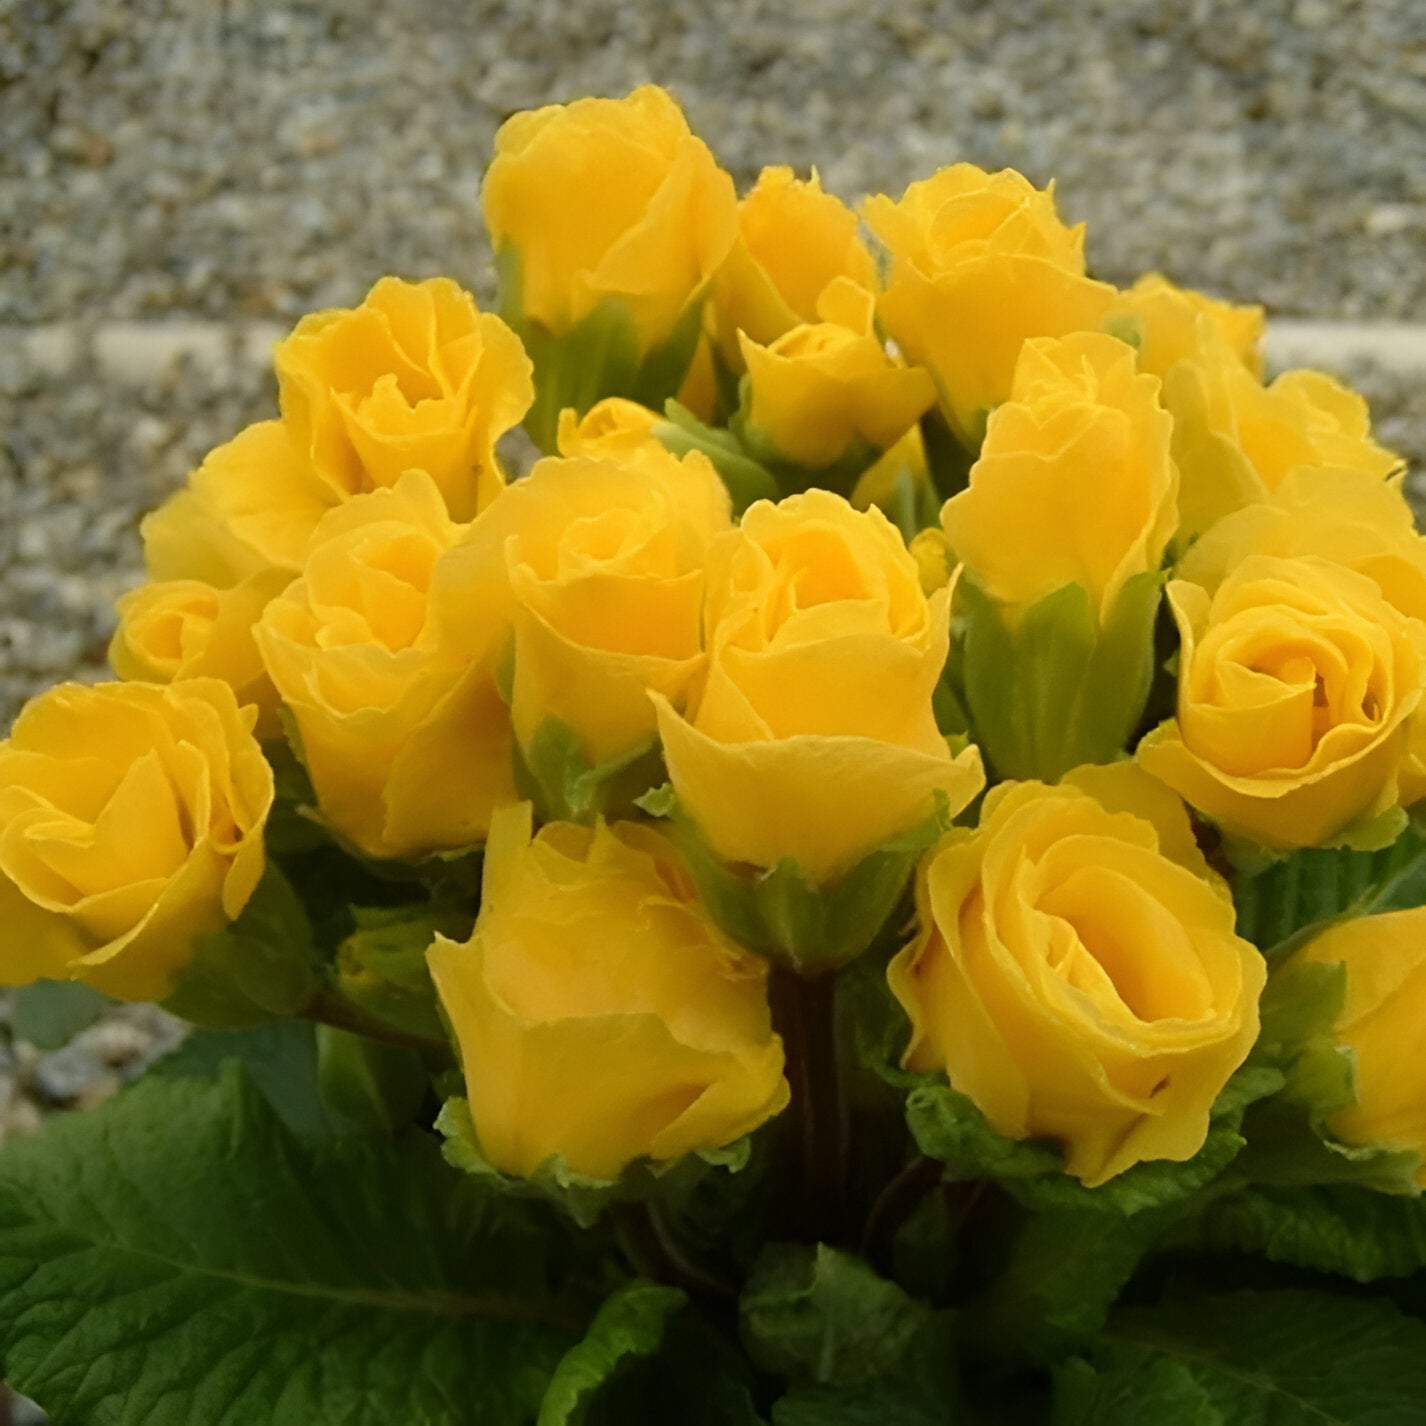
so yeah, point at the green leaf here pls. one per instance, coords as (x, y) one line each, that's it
(1056, 690)
(1355, 1232)
(375, 1085)
(50, 1013)
(281, 1060)
(261, 967)
(177, 1256)
(1281, 902)
(1256, 1359)
(553, 772)
(630, 1325)
(820, 1316)
(780, 912)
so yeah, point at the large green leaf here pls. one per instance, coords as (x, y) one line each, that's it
(178, 1257)
(1254, 1359)
(50, 1013)
(1281, 901)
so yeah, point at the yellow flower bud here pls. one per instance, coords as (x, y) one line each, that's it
(608, 199)
(1235, 440)
(1384, 958)
(813, 737)
(1074, 484)
(793, 241)
(1296, 681)
(600, 1015)
(1077, 974)
(131, 821)
(605, 557)
(819, 391)
(1166, 321)
(979, 263)
(404, 735)
(612, 427)
(183, 628)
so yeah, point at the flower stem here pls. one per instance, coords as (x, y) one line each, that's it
(325, 1008)
(804, 1013)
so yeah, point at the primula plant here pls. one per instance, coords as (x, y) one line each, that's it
(880, 882)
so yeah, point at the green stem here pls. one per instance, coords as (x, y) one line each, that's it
(895, 1204)
(325, 1008)
(804, 1014)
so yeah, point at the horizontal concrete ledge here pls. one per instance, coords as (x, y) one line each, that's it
(134, 353)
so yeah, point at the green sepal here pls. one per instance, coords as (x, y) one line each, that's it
(600, 356)
(263, 966)
(1057, 690)
(552, 771)
(583, 1198)
(747, 480)
(780, 912)
(947, 1126)
(1281, 901)
(377, 1086)
(381, 967)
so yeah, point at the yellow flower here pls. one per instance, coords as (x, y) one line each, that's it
(183, 628)
(1296, 680)
(1074, 484)
(600, 1015)
(131, 821)
(813, 737)
(1236, 440)
(604, 556)
(1166, 322)
(414, 378)
(980, 262)
(819, 390)
(1384, 958)
(612, 427)
(608, 199)
(404, 735)
(1077, 974)
(793, 241)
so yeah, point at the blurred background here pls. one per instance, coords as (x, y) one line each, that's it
(180, 180)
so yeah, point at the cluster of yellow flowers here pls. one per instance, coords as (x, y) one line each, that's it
(827, 538)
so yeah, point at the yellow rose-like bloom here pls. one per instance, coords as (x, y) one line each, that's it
(414, 378)
(131, 821)
(612, 427)
(793, 241)
(813, 737)
(608, 199)
(1077, 974)
(1074, 484)
(404, 735)
(980, 262)
(183, 628)
(818, 389)
(1296, 678)
(600, 1015)
(1236, 440)
(605, 558)
(1166, 321)
(1380, 1021)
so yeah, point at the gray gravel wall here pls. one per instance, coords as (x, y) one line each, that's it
(247, 160)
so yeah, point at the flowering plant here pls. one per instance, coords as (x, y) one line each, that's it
(881, 880)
